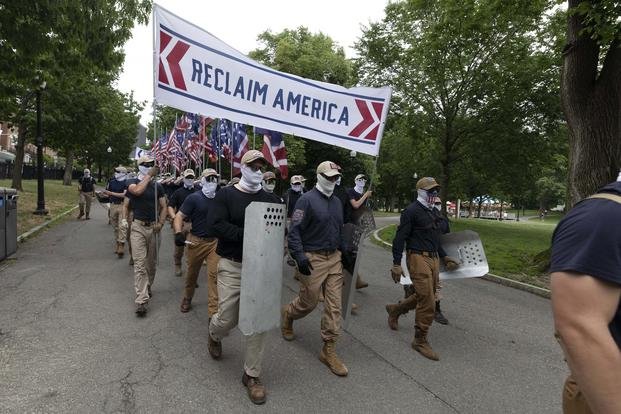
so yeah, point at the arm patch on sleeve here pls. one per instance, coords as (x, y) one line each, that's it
(297, 215)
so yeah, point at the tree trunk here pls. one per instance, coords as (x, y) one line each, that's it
(68, 168)
(20, 149)
(591, 103)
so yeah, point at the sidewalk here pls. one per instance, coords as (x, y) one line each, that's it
(70, 342)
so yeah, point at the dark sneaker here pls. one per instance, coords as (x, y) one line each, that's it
(256, 390)
(215, 347)
(141, 310)
(186, 305)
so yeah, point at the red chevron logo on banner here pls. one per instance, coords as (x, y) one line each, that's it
(172, 61)
(368, 119)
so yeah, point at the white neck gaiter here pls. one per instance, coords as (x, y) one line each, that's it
(324, 185)
(188, 183)
(426, 198)
(143, 170)
(268, 187)
(120, 176)
(208, 188)
(250, 180)
(296, 187)
(359, 188)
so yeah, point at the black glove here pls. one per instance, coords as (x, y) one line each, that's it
(304, 267)
(179, 239)
(348, 262)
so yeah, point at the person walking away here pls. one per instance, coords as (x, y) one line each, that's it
(315, 239)
(198, 208)
(144, 199)
(228, 224)
(86, 189)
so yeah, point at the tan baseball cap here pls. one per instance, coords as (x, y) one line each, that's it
(121, 169)
(426, 183)
(268, 175)
(253, 155)
(360, 177)
(144, 159)
(296, 179)
(189, 173)
(209, 172)
(329, 169)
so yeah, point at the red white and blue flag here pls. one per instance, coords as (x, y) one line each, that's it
(274, 150)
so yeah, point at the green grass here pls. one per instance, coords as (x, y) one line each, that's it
(58, 198)
(510, 247)
(378, 213)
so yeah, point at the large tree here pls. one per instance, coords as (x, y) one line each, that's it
(471, 71)
(591, 94)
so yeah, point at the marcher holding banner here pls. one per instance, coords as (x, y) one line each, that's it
(419, 232)
(228, 225)
(315, 238)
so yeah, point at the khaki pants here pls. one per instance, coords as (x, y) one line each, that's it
(143, 243)
(116, 214)
(425, 275)
(573, 399)
(229, 282)
(327, 278)
(178, 254)
(86, 198)
(197, 252)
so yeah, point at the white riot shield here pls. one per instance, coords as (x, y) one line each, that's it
(466, 246)
(261, 276)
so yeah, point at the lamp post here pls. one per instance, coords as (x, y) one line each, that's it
(41, 210)
(109, 153)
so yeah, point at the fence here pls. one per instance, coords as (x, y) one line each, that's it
(29, 172)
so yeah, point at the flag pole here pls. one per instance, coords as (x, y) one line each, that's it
(254, 135)
(232, 148)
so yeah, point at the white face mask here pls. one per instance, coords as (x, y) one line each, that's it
(269, 187)
(360, 186)
(188, 182)
(119, 176)
(250, 180)
(427, 198)
(208, 188)
(324, 185)
(296, 187)
(143, 170)
(338, 182)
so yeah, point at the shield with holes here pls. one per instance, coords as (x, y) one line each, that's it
(261, 276)
(466, 247)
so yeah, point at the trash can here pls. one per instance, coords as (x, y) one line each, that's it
(10, 215)
(3, 204)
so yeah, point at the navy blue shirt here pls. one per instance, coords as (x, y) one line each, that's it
(178, 197)
(291, 198)
(227, 221)
(588, 240)
(316, 224)
(419, 229)
(144, 205)
(116, 186)
(87, 184)
(197, 207)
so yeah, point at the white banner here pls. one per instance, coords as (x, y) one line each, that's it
(196, 72)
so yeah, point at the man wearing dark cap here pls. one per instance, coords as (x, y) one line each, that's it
(148, 204)
(202, 243)
(419, 233)
(228, 225)
(116, 191)
(176, 200)
(585, 280)
(315, 239)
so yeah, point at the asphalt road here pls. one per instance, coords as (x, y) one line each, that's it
(70, 342)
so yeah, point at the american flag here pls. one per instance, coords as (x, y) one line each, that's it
(203, 139)
(274, 150)
(239, 143)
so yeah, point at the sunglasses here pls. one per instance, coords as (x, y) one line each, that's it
(333, 179)
(148, 164)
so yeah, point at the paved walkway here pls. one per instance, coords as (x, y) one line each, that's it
(70, 342)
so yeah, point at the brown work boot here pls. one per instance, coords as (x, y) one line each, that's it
(178, 271)
(256, 390)
(328, 356)
(215, 347)
(394, 311)
(439, 316)
(423, 347)
(354, 309)
(360, 284)
(120, 250)
(286, 325)
(186, 305)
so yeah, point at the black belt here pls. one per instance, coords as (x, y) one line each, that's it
(206, 239)
(232, 259)
(326, 252)
(423, 253)
(145, 223)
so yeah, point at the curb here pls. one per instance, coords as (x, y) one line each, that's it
(490, 277)
(22, 237)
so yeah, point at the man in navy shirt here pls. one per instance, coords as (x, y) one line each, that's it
(197, 208)
(86, 188)
(356, 206)
(315, 239)
(174, 203)
(586, 301)
(116, 191)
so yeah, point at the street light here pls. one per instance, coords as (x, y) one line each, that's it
(41, 210)
(109, 152)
